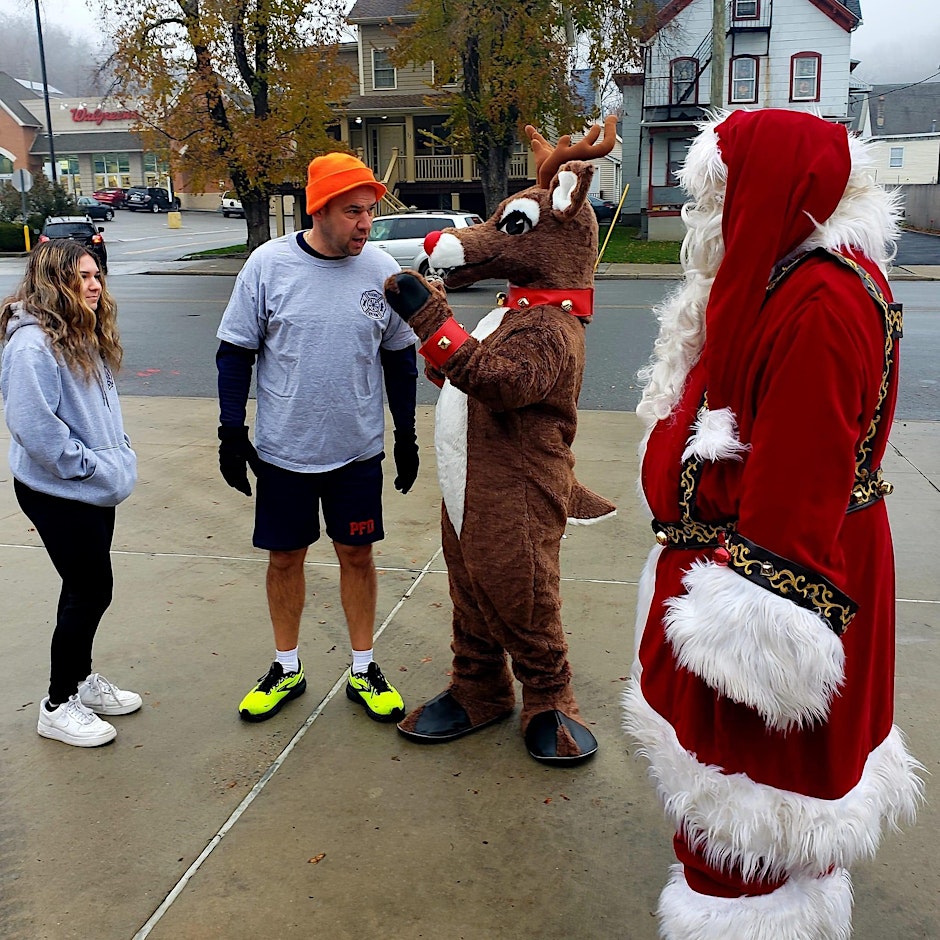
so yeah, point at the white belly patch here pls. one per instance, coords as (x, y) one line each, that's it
(450, 433)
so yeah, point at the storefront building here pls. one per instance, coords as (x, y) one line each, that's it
(94, 143)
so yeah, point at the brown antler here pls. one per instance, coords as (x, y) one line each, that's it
(548, 159)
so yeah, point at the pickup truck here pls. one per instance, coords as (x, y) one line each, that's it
(231, 205)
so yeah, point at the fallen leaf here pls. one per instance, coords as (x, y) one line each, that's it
(425, 659)
(547, 800)
(316, 859)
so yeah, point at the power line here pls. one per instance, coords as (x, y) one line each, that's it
(884, 94)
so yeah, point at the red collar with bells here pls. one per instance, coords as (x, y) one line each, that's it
(579, 302)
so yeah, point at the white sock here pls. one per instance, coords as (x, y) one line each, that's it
(288, 659)
(361, 660)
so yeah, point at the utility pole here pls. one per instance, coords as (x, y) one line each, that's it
(45, 91)
(717, 96)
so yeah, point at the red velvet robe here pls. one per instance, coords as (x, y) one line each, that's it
(747, 775)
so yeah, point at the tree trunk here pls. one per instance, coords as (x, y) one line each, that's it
(258, 220)
(494, 175)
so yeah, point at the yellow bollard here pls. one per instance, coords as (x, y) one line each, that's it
(174, 220)
(26, 237)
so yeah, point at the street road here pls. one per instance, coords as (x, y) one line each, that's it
(168, 322)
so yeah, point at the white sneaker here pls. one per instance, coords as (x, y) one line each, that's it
(72, 723)
(106, 698)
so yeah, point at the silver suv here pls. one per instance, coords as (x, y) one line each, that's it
(402, 235)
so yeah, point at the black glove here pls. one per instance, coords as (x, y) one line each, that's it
(406, 460)
(410, 296)
(236, 454)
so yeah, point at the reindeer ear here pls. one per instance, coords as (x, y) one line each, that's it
(569, 188)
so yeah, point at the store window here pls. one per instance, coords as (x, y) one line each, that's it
(67, 173)
(896, 159)
(683, 79)
(805, 69)
(112, 169)
(743, 80)
(155, 170)
(383, 72)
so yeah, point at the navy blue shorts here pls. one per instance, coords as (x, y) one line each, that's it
(287, 506)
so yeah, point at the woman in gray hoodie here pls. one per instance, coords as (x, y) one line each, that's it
(72, 464)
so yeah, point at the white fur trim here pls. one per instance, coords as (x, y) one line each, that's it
(561, 195)
(594, 521)
(764, 831)
(644, 601)
(755, 647)
(715, 437)
(448, 252)
(450, 432)
(801, 909)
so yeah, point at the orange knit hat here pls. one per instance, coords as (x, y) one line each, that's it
(336, 173)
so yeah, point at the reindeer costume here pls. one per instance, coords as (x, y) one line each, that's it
(505, 422)
(762, 692)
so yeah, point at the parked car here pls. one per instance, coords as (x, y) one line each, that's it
(230, 204)
(80, 229)
(151, 199)
(604, 209)
(402, 235)
(112, 196)
(94, 209)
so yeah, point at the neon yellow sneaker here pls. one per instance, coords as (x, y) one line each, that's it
(375, 694)
(271, 692)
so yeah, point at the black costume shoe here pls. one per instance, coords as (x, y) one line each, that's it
(541, 739)
(444, 719)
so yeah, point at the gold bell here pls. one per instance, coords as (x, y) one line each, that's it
(766, 569)
(662, 538)
(858, 494)
(886, 488)
(567, 306)
(501, 299)
(443, 343)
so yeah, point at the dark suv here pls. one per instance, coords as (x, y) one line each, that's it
(150, 199)
(79, 229)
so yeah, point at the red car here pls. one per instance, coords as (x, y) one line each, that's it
(111, 196)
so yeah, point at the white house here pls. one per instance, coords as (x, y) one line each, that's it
(777, 54)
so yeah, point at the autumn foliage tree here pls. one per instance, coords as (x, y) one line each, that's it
(232, 90)
(511, 65)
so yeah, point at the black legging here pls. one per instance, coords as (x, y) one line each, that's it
(77, 537)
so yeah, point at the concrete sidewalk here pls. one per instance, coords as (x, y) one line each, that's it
(321, 822)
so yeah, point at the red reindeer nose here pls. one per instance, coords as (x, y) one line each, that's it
(430, 240)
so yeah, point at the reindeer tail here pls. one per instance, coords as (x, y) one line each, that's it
(586, 507)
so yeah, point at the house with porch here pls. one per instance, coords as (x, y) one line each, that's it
(776, 54)
(393, 123)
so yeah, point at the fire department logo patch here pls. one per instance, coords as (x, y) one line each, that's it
(372, 303)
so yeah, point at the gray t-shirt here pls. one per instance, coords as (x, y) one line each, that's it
(318, 326)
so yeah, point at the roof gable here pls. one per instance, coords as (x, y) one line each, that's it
(378, 11)
(11, 94)
(847, 14)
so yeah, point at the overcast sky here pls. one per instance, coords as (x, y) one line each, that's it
(899, 40)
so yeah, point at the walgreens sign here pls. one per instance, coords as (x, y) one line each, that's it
(98, 116)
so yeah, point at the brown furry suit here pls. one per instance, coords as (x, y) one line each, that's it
(506, 421)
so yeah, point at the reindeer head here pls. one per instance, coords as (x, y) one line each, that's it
(544, 236)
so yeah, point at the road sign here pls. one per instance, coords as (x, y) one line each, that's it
(22, 181)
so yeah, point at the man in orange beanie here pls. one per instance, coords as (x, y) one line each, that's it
(311, 307)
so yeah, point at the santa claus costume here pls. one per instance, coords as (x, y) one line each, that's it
(762, 689)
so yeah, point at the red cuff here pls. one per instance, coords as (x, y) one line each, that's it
(441, 345)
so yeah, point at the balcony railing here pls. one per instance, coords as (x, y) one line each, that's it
(459, 166)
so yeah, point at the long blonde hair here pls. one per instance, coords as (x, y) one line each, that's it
(51, 290)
